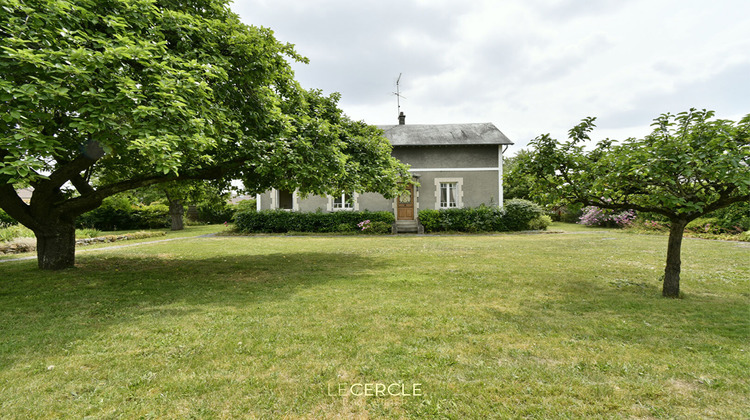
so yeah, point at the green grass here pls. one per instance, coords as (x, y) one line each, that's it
(538, 326)
(189, 231)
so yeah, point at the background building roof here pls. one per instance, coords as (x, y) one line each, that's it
(444, 134)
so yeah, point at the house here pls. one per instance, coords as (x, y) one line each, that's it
(25, 194)
(455, 165)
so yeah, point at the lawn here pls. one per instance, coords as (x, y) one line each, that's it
(490, 326)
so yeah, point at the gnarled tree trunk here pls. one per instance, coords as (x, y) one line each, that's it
(56, 245)
(671, 287)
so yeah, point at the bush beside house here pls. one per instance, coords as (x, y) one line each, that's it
(280, 221)
(516, 215)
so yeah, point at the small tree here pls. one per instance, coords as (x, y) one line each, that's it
(180, 193)
(690, 165)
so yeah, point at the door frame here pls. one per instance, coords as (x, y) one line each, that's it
(415, 201)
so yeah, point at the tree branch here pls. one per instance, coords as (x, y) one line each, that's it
(93, 199)
(81, 185)
(15, 207)
(66, 172)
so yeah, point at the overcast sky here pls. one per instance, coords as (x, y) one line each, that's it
(528, 66)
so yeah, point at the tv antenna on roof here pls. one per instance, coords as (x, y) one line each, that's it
(398, 93)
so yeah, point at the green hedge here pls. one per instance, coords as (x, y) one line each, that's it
(280, 221)
(109, 217)
(517, 214)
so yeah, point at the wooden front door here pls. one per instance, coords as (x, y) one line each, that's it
(406, 204)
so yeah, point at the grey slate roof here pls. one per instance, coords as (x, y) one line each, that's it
(444, 134)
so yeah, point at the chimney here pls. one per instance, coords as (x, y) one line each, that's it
(401, 119)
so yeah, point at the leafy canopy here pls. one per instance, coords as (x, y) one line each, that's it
(689, 165)
(110, 95)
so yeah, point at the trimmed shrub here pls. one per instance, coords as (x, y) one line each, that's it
(280, 221)
(375, 227)
(478, 219)
(381, 227)
(540, 223)
(517, 214)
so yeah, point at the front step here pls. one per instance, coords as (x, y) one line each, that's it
(407, 226)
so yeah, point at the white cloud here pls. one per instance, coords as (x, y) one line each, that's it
(529, 66)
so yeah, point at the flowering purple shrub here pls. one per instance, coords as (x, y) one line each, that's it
(365, 224)
(594, 216)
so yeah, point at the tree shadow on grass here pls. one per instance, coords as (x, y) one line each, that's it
(44, 311)
(628, 312)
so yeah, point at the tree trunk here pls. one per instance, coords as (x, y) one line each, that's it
(176, 211)
(56, 246)
(671, 287)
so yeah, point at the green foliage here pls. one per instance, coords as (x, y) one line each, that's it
(518, 214)
(690, 165)
(516, 182)
(88, 233)
(5, 218)
(120, 214)
(379, 228)
(646, 223)
(245, 205)
(540, 223)
(345, 228)
(734, 217)
(569, 213)
(515, 215)
(707, 225)
(280, 221)
(476, 219)
(110, 96)
(213, 213)
(11, 232)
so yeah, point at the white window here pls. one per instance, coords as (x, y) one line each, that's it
(284, 200)
(343, 201)
(449, 193)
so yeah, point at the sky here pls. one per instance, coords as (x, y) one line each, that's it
(528, 66)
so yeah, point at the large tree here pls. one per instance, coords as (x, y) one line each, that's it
(100, 97)
(516, 182)
(690, 165)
